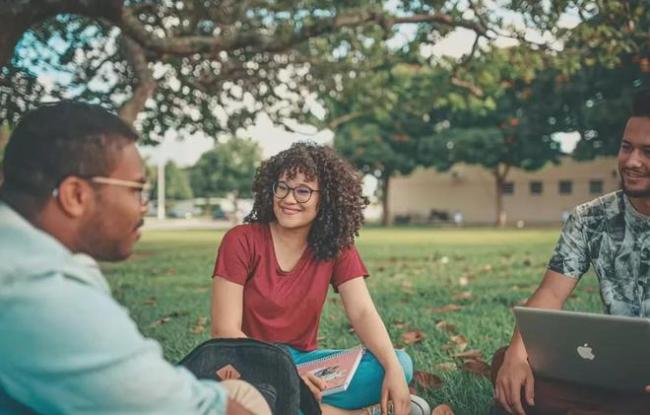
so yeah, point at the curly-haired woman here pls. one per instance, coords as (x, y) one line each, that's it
(272, 275)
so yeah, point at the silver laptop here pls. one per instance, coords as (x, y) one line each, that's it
(594, 349)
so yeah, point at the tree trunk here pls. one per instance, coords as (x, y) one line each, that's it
(16, 17)
(161, 189)
(235, 205)
(500, 179)
(385, 213)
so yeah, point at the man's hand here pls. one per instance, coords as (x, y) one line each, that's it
(515, 373)
(315, 385)
(647, 389)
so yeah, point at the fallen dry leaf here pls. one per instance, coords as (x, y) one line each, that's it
(469, 355)
(443, 409)
(407, 287)
(477, 367)
(197, 329)
(398, 324)
(427, 381)
(446, 308)
(445, 325)
(446, 366)
(412, 336)
(150, 301)
(161, 321)
(200, 325)
(460, 341)
(465, 295)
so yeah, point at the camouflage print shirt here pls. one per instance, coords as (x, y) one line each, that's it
(611, 235)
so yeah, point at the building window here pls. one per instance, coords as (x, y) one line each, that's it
(536, 188)
(595, 187)
(566, 187)
(508, 188)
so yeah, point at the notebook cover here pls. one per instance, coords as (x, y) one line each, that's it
(336, 370)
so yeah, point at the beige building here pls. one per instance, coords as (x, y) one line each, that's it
(538, 197)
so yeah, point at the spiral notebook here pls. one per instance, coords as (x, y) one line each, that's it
(336, 370)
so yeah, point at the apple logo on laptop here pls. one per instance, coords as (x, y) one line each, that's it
(586, 352)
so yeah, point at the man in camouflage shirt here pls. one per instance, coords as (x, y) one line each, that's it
(611, 233)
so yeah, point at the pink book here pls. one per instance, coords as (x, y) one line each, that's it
(336, 370)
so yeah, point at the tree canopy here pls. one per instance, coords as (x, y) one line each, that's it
(211, 66)
(227, 169)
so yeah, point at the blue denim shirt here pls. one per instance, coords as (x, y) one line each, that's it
(66, 346)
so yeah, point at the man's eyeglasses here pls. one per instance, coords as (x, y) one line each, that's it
(144, 189)
(302, 193)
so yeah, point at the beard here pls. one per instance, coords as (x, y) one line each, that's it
(103, 243)
(639, 193)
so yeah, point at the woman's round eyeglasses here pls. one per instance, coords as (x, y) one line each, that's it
(302, 193)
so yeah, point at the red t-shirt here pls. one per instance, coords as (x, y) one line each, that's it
(279, 306)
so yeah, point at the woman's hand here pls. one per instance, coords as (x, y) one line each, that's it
(396, 390)
(315, 385)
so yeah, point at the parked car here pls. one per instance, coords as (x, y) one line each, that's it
(218, 213)
(183, 211)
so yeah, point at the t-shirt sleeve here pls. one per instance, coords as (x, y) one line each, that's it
(571, 255)
(348, 265)
(234, 256)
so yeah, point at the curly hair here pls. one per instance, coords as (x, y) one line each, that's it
(340, 210)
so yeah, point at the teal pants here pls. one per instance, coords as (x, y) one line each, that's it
(365, 387)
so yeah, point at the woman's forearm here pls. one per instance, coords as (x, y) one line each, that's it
(373, 334)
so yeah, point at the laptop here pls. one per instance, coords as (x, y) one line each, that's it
(586, 348)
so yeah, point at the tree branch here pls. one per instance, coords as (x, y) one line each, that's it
(470, 87)
(145, 84)
(338, 121)
(186, 45)
(17, 16)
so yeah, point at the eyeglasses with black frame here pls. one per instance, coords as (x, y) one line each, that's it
(302, 193)
(143, 189)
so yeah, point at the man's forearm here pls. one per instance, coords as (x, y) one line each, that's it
(552, 293)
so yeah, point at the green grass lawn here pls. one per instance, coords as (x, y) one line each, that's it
(166, 286)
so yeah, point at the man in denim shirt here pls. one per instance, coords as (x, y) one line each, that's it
(74, 191)
(612, 234)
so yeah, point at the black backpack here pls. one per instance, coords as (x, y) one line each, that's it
(266, 366)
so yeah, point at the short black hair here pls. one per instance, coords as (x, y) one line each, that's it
(641, 106)
(57, 140)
